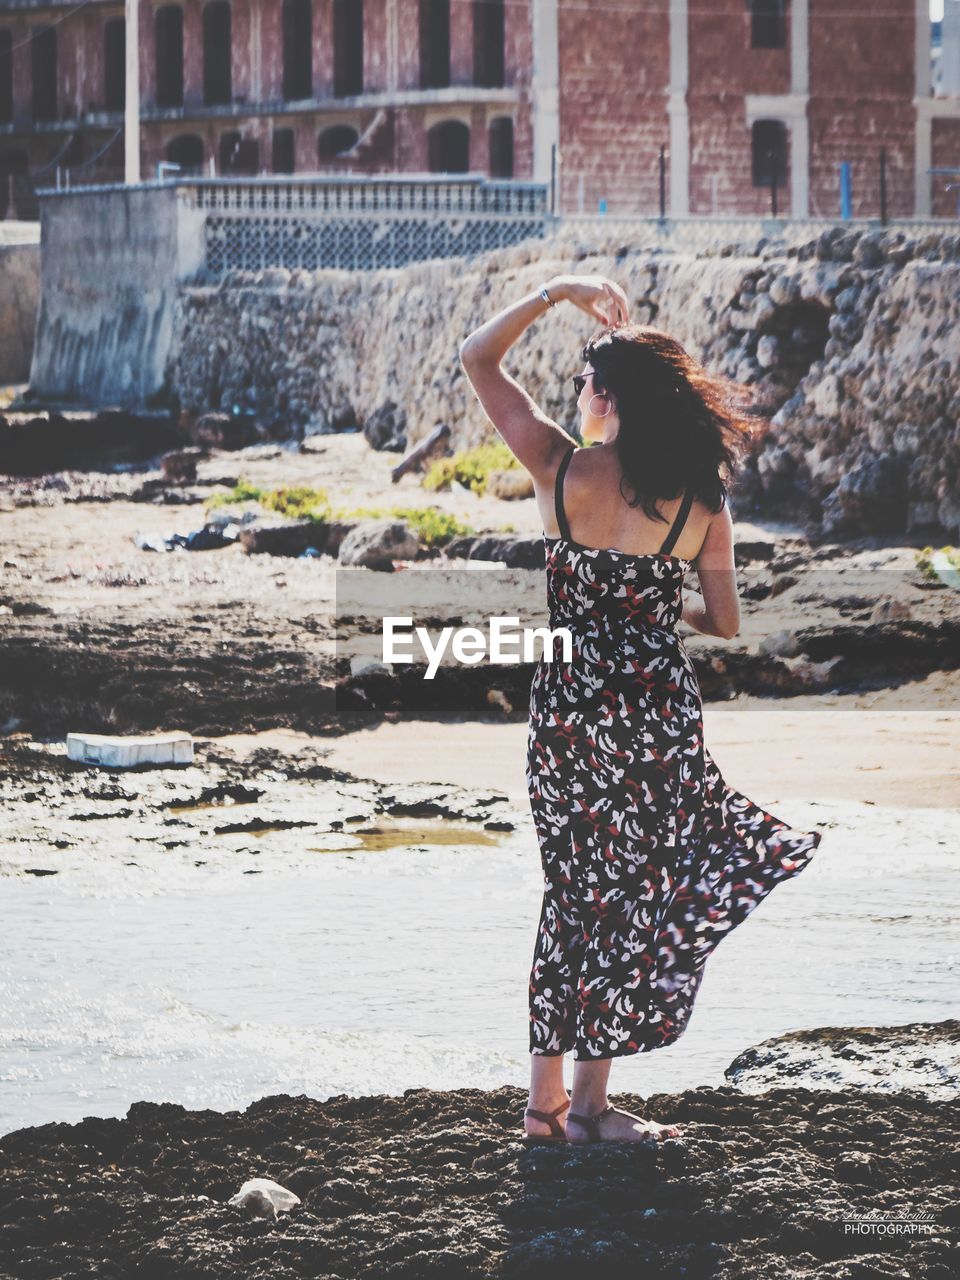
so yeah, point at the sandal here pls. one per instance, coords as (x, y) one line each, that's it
(592, 1126)
(548, 1117)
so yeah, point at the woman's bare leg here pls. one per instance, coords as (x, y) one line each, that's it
(547, 1091)
(590, 1097)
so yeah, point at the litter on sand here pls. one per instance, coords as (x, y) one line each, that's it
(125, 752)
(264, 1198)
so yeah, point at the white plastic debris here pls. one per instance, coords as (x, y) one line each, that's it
(123, 752)
(264, 1198)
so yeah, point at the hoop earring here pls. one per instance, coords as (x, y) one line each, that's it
(597, 396)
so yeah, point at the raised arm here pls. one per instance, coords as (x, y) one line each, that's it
(535, 440)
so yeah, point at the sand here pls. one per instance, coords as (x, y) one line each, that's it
(894, 747)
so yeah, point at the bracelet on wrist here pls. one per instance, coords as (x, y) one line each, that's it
(546, 297)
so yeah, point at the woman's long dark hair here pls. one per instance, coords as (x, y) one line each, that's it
(679, 425)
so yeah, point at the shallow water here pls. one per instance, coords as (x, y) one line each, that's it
(398, 967)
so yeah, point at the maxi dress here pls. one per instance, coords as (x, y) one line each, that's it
(649, 857)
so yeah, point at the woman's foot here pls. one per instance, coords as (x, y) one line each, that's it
(535, 1128)
(612, 1125)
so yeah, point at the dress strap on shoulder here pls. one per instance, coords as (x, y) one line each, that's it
(558, 493)
(679, 522)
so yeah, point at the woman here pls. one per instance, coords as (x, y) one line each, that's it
(649, 857)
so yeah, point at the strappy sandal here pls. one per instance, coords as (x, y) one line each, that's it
(592, 1126)
(548, 1117)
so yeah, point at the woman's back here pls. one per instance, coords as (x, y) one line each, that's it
(599, 516)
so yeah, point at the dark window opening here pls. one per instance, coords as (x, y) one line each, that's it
(769, 153)
(74, 153)
(335, 140)
(283, 151)
(768, 24)
(239, 155)
(217, 85)
(114, 64)
(297, 50)
(6, 77)
(43, 66)
(434, 44)
(501, 147)
(187, 152)
(168, 33)
(15, 186)
(488, 43)
(347, 47)
(448, 146)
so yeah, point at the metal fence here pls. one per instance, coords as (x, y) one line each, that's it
(359, 223)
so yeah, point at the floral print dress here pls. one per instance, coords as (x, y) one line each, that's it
(649, 857)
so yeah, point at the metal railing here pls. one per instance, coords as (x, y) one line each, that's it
(356, 222)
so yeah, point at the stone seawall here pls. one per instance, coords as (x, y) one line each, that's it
(19, 298)
(849, 343)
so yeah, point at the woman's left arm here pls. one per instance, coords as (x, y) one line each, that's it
(534, 439)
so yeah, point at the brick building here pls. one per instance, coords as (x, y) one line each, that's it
(743, 96)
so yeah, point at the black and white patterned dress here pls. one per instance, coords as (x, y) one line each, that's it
(649, 857)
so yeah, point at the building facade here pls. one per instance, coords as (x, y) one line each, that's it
(716, 107)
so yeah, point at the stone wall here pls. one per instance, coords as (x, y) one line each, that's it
(848, 342)
(19, 298)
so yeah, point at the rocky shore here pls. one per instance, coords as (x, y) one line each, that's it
(790, 1182)
(847, 340)
(98, 633)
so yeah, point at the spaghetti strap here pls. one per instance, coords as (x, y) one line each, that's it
(558, 493)
(679, 522)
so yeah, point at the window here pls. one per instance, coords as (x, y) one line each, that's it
(73, 154)
(297, 50)
(168, 42)
(283, 151)
(488, 42)
(448, 147)
(336, 139)
(114, 63)
(347, 47)
(187, 152)
(43, 66)
(769, 148)
(6, 78)
(15, 188)
(217, 85)
(239, 155)
(501, 147)
(434, 44)
(768, 24)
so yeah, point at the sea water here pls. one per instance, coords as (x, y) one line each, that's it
(405, 965)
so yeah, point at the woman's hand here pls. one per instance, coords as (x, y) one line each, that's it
(596, 295)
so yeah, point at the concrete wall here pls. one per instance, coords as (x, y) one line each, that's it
(19, 298)
(111, 261)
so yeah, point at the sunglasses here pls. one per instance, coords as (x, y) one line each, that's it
(580, 381)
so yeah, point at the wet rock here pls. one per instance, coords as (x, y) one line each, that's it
(180, 465)
(282, 537)
(889, 610)
(515, 553)
(386, 427)
(782, 644)
(768, 351)
(436, 1183)
(922, 1057)
(873, 496)
(510, 484)
(376, 544)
